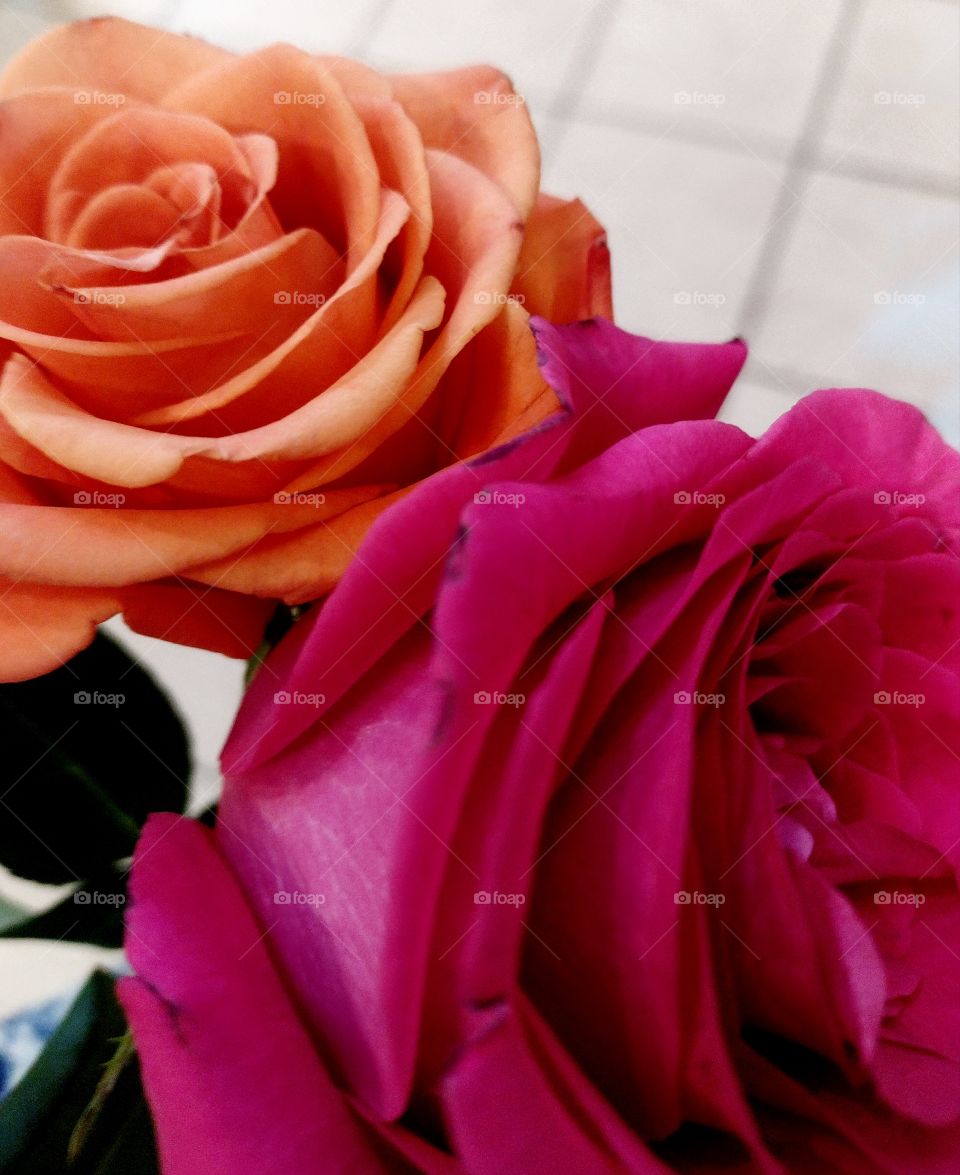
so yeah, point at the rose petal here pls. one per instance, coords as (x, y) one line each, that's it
(234, 1082)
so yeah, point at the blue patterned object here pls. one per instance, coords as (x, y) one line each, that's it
(23, 1035)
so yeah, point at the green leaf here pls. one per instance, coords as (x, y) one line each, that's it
(92, 912)
(80, 1107)
(90, 750)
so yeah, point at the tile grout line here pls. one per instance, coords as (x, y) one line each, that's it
(771, 150)
(369, 27)
(800, 169)
(563, 108)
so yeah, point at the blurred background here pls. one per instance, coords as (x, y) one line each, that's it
(786, 172)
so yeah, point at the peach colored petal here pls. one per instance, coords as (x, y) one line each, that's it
(354, 404)
(492, 384)
(110, 55)
(400, 156)
(121, 455)
(237, 296)
(122, 215)
(128, 146)
(36, 131)
(474, 251)
(42, 627)
(87, 546)
(495, 135)
(301, 566)
(564, 269)
(321, 349)
(328, 176)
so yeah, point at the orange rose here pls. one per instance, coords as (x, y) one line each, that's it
(245, 302)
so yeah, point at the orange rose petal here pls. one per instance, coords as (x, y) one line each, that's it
(43, 627)
(492, 384)
(112, 56)
(495, 135)
(36, 131)
(403, 165)
(237, 296)
(87, 546)
(349, 408)
(128, 147)
(125, 214)
(197, 615)
(303, 566)
(328, 175)
(319, 351)
(564, 269)
(473, 252)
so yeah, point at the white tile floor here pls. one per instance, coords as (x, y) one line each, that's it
(784, 171)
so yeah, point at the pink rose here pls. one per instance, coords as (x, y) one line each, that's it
(615, 830)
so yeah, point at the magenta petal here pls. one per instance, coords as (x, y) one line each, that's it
(234, 1082)
(617, 382)
(507, 1118)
